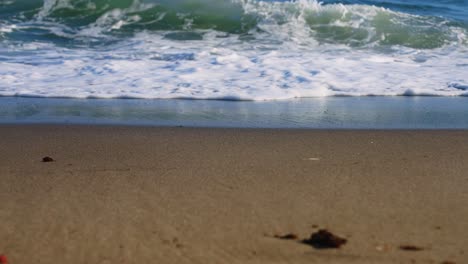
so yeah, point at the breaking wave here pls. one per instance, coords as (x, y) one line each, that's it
(237, 49)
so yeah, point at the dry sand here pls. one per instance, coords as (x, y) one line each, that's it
(183, 195)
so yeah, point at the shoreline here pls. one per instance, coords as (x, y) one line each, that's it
(311, 113)
(198, 195)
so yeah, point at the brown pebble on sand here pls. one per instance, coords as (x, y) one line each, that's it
(47, 159)
(448, 262)
(289, 236)
(324, 239)
(411, 248)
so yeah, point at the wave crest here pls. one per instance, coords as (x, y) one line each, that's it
(305, 22)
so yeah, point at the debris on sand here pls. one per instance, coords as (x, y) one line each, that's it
(411, 248)
(324, 239)
(47, 159)
(382, 248)
(289, 236)
(3, 259)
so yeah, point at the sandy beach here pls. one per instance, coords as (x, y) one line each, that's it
(193, 195)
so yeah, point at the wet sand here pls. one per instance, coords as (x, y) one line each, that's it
(188, 195)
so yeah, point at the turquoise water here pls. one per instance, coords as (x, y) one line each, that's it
(232, 49)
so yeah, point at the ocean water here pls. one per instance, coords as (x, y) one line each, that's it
(233, 49)
(382, 112)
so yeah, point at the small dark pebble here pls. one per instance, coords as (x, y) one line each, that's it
(287, 236)
(315, 226)
(47, 159)
(324, 239)
(411, 248)
(448, 262)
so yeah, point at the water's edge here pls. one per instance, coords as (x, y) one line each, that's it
(311, 113)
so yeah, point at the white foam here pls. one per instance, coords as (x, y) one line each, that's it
(282, 61)
(150, 66)
(7, 28)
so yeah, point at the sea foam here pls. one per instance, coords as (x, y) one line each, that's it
(260, 51)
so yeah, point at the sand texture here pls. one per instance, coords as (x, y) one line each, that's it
(186, 195)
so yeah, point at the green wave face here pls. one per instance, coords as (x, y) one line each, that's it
(131, 15)
(364, 25)
(303, 21)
